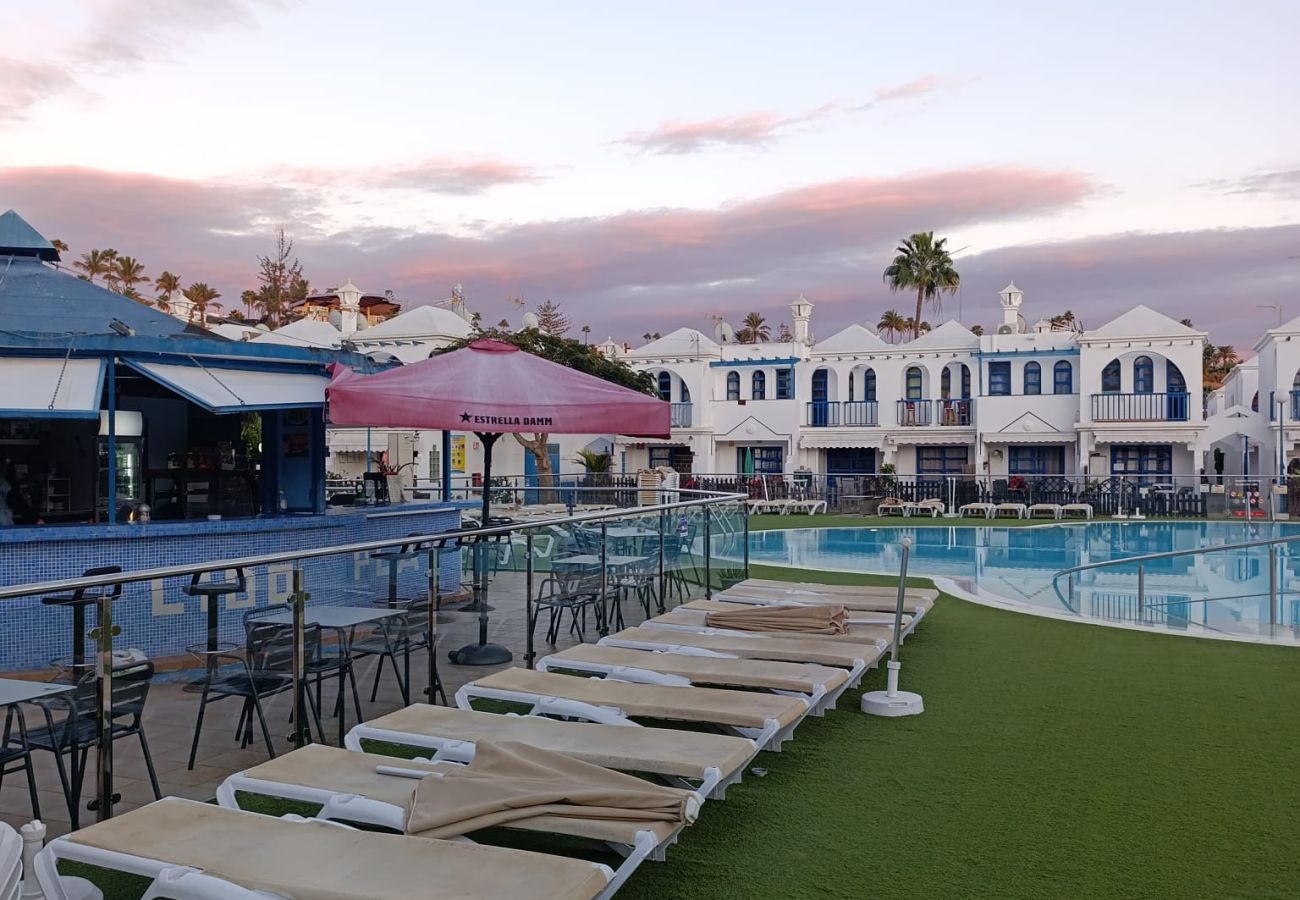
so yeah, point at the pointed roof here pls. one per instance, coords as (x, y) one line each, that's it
(854, 339)
(1141, 321)
(682, 342)
(304, 333)
(17, 238)
(950, 334)
(417, 322)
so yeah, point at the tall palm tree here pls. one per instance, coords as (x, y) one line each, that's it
(909, 324)
(250, 301)
(93, 264)
(754, 330)
(111, 279)
(59, 245)
(893, 323)
(203, 298)
(924, 265)
(129, 272)
(977, 330)
(166, 284)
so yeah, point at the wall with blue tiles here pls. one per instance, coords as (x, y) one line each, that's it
(159, 619)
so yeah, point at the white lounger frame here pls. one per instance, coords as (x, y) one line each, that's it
(713, 785)
(342, 806)
(769, 737)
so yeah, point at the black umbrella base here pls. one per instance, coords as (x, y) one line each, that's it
(474, 606)
(480, 655)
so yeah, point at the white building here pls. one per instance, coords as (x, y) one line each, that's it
(1124, 398)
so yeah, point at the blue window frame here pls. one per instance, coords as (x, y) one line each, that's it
(1063, 378)
(1174, 381)
(1036, 461)
(965, 382)
(914, 381)
(1142, 460)
(945, 384)
(784, 384)
(733, 385)
(758, 386)
(999, 379)
(1144, 376)
(1110, 377)
(942, 460)
(1033, 378)
(819, 390)
(685, 393)
(869, 385)
(852, 391)
(665, 386)
(766, 460)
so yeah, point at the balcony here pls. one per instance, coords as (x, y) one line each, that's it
(680, 415)
(833, 413)
(952, 412)
(1140, 407)
(914, 412)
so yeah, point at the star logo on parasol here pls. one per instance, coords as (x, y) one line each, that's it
(464, 417)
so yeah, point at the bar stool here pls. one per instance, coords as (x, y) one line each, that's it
(393, 559)
(77, 601)
(212, 592)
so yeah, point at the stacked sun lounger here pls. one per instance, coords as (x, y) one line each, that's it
(618, 742)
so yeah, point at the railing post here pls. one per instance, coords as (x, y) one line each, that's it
(435, 551)
(663, 571)
(604, 577)
(1142, 591)
(298, 603)
(1272, 586)
(744, 515)
(529, 611)
(103, 637)
(1069, 591)
(708, 553)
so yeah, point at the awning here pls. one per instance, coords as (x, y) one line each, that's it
(818, 441)
(1029, 437)
(50, 387)
(222, 390)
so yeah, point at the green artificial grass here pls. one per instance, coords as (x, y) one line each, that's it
(1054, 759)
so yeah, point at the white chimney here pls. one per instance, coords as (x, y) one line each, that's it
(801, 311)
(1012, 297)
(349, 307)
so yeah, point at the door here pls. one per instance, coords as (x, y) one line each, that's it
(531, 477)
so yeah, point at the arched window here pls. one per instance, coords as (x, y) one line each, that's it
(665, 386)
(758, 386)
(1295, 382)
(733, 385)
(820, 392)
(965, 381)
(869, 385)
(914, 381)
(685, 393)
(1033, 378)
(1063, 378)
(945, 384)
(852, 390)
(1174, 381)
(1254, 403)
(1110, 377)
(1144, 377)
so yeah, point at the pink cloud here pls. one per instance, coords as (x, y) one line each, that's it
(26, 84)
(749, 130)
(434, 176)
(909, 90)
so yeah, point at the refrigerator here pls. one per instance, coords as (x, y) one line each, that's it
(130, 474)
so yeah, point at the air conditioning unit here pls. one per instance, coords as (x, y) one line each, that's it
(1006, 329)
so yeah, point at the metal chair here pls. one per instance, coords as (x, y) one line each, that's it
(18, 750)
(400, 635)
(574, 591)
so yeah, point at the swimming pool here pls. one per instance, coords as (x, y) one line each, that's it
(1223, 593)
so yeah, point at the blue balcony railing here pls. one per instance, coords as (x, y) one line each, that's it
(952, 412)
(861, 412)
(1140, 407)
(680, 415)
(914, 412)
(822, 414)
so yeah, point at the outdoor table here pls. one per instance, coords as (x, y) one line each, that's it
(342, 619)
(13, 693)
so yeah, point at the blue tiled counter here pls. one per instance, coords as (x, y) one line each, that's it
(157, 618)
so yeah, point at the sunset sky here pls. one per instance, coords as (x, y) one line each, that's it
(651, 165)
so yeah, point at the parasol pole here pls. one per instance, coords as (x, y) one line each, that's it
(483, 653)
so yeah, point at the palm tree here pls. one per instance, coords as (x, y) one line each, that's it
(924, 265)
(754, 330)
(166, 285)
(977, 330)
(93, 264)
(909, 324)
(59, 245)
(893, 323)
(586, 334)
(202, 297)
(129, 272)
(250, 301)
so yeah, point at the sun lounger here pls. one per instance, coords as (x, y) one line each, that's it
(1071, 510)
(722, 603)
(984, 510)
(382, 791)
(1009, 511)
(705, 763)
(320, 860)
(693, 616)
(856, 657)
(821, 686)
(933, 508)
(1050, 510)
(892, 506)
(811, 507)
(766, 719)
(847, 594)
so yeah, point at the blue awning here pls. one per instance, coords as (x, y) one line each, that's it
(43, 387)
(221, 389)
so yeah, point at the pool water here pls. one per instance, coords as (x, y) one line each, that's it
(1225, 592)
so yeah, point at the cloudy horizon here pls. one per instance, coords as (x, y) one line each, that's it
(647, 175)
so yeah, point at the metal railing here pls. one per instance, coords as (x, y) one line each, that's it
(1113, 407)
(913, 412)
(704, 517)
(680, 415)
(861, 412)
(822, 414)
(953, 412)
(1143, 609)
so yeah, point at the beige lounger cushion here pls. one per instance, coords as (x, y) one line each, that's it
(660, 751)
(739, 709)
(697, 618)
(852, 617)
(746, 673)
(787, 649)
(318, 861)
(509, 782)
(793, 617)
(848, 594)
